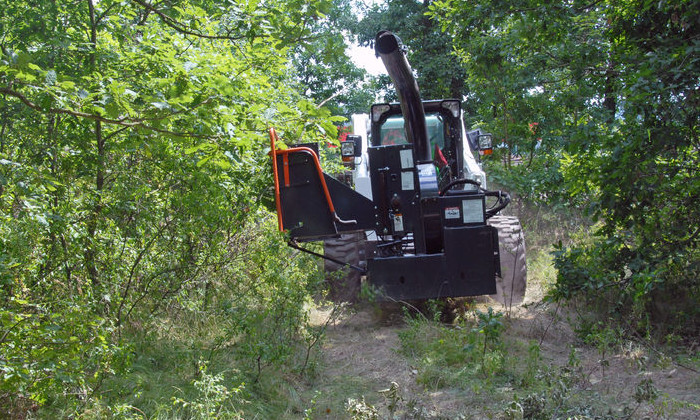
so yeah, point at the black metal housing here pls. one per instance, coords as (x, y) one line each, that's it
(446, 249)
(466, 268)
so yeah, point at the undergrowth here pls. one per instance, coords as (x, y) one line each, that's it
(503, 375)
(235, 348)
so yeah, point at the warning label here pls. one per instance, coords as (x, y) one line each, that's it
(452, 213)
(398, 223)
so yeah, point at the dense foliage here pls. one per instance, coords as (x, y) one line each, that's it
(132, 162)
(602, 96)
(134, 174)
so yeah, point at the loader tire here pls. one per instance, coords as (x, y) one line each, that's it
(510, 287)
(344, 282)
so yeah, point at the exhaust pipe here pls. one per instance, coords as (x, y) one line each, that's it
(392, 52)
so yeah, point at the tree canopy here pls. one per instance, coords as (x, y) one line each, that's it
(613, 90)
(324, 70)
(440, 74)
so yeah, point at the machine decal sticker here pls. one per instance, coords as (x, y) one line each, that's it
(472, 211)
(406, 158)
(407, 181)
(398, 223)
(452, 213)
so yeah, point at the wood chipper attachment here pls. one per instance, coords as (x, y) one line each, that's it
(422, 212)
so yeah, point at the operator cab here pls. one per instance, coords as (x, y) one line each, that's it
(443, 127)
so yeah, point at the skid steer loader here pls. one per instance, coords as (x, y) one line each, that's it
(419, 223)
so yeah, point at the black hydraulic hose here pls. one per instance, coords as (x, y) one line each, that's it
(292, 243)
(503, 197)
(503, 200)
(459, 182)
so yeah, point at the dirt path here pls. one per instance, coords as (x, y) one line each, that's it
(361, 354)
(362, 351)
(361, 358)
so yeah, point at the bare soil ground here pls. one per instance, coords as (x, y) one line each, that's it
(365, 346)
(361, 357)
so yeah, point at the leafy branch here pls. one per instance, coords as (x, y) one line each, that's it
(127, 122)
(174, 24)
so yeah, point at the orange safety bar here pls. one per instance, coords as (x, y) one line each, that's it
(273, 153)
(285, 159)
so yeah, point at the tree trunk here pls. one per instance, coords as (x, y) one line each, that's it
(90, 245)
(610, 100)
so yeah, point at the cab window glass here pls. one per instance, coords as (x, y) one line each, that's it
(392, 131)
(436, 130)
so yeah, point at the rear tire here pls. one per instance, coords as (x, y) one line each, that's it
(510, 287)
(344, 282)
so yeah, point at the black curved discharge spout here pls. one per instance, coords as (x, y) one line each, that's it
(389, 47)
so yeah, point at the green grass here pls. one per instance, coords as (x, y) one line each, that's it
(181, 369)
(328, 399)
(510, 375)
